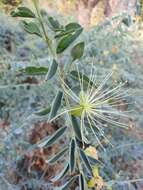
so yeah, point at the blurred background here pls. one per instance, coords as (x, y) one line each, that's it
(114, 41)
(87, 12)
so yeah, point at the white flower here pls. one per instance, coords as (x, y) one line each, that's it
(96, 106)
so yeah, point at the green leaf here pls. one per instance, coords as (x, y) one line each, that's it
(127, 21)
(23, 12)
(57, 156)
(85, 161)
(68, 184)
(72, 26)
(72, 155)
(52, 69)
(69, 29)
(54, 23)
(56, 104)
(77, 51)
(43, 111)
(61, 174)
(53, 138)
(82, 184)
(62, 34)
(31, 28)
(66, 41)
(31, 70)
(76, 127)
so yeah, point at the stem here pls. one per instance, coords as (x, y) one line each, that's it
(60, 70)
(47, 39)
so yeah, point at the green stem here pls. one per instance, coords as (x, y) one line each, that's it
(48, 41)
(60, 71)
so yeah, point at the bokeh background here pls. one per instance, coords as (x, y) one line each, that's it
(113, 35)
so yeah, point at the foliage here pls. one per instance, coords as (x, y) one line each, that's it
(79, 161)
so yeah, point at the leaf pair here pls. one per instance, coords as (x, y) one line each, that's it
(31, 28)
(55, 25)
(23, 12)
(68, 36)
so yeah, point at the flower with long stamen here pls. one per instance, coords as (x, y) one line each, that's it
(95, 106)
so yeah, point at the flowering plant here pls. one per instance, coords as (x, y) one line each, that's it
(88, 107)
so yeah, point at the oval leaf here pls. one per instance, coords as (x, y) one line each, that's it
(54, 23)
(72, 155)
(77, 51)
(23, 12)
(31, 28)
(72, 26)
(66, 41)
(85, 161)
(53, 138)
(68, 184)
(57, 156)
(52, 69)
(56, 104)
(62, 174)
(34, 70)
(76, 127)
